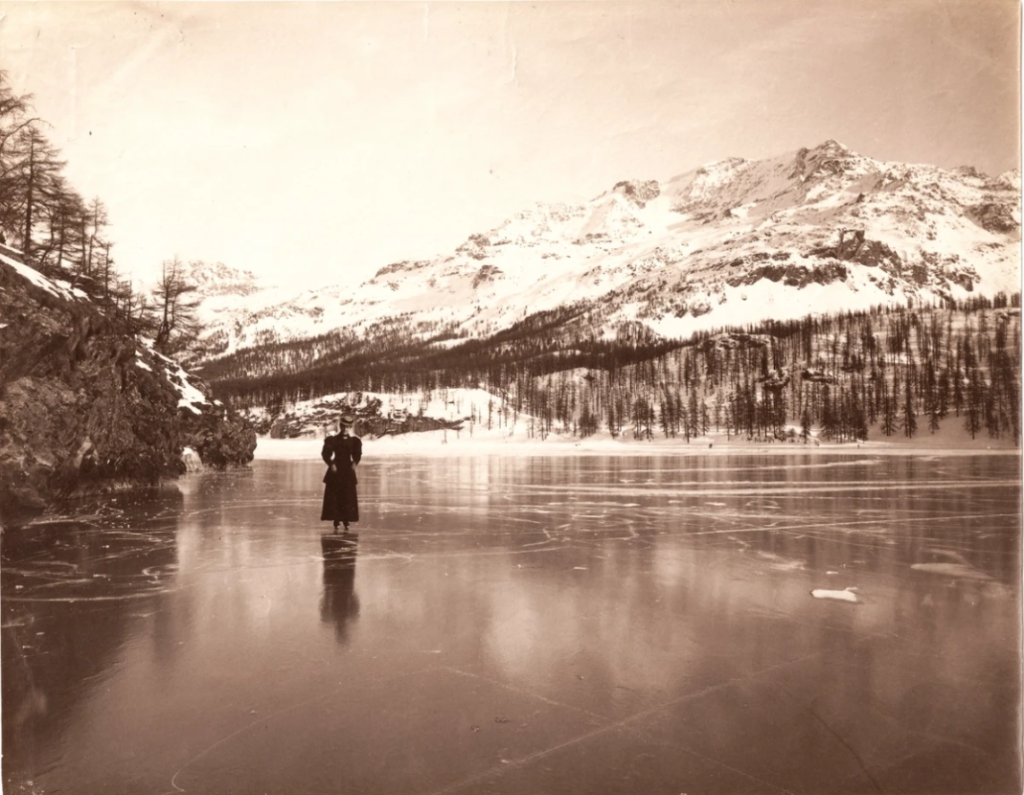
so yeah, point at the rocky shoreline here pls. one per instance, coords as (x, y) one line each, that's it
(86, 407)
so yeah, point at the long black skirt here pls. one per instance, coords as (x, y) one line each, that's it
(341, 503)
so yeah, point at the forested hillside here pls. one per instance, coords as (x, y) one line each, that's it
(668, 307)
(90, 398)
(900, 371)
(64, 236)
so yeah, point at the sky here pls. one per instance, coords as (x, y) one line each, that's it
(313, 143)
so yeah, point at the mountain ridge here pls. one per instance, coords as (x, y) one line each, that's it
(732, 241)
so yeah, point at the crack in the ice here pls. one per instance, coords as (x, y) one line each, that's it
(929, 735)
(511, 689)
(108, 598)
(688, 750)
(266, 718)
(524, 760)
(834, 733)
(829, 525)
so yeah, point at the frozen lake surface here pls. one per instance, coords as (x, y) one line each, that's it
(527, 625)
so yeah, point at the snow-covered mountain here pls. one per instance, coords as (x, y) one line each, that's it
(221, 281)
(738, 241)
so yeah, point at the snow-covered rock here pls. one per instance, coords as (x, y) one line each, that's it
(88, 407)
(190, 458)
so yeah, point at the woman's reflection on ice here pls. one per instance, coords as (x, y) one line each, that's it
(339, 604)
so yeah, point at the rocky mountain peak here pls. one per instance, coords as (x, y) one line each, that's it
(832, 147)
(720, 171)
(220, 279)
(968, 171)
(637, 191)
(398, 268)
(1009, 180)
(827, 159)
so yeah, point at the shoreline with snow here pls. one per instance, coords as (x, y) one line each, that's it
(433, 443)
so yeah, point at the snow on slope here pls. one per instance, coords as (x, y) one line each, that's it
(56, 287)
(732, 242)
(191, 397)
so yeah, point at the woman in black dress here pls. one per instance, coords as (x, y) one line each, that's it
(341, 453)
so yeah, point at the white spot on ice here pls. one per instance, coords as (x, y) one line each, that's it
(843, 596)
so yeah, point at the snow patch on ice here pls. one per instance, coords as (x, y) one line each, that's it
(846, 595)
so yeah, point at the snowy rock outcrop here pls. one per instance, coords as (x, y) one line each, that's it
(190, 458)
(85, 406)
(374, 419)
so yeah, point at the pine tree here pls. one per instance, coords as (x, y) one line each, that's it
(174, 310)
(909, 418)
(805, 424)
(888, 412)
(693, 413)
(974, 409)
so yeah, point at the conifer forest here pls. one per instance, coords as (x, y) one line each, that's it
(849, 376)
